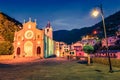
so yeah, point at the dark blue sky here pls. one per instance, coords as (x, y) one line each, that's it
(63, 14)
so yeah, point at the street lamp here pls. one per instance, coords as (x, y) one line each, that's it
(95, 13)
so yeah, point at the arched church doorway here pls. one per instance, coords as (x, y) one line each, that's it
(18, 51)
(38, 50)
(28, 48)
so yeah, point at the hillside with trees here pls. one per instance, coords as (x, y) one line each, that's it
(8, 26)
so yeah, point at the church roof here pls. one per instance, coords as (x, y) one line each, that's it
(48, 25)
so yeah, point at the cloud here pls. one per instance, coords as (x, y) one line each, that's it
(60, 22)
(69, 23)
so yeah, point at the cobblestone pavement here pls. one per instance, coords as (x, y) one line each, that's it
(32, 60)
(15, 69)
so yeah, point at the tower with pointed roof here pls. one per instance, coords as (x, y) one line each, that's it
(48, 30)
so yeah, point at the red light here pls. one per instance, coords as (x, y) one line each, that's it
(94, 32)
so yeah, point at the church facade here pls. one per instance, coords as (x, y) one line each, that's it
(31, 42)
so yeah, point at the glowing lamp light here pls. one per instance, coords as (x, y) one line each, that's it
(95, 13)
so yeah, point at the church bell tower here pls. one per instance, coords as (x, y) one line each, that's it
(48, 30)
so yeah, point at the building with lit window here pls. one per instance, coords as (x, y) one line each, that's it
(89, 39)
(77, 47)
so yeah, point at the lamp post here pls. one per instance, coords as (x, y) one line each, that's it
(95, 13)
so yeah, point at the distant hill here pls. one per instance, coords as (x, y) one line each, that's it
(8, 26)
(70, 36)
(112, 23)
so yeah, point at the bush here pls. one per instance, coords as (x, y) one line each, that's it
(6, 48)
(88, 49)
(114, 62)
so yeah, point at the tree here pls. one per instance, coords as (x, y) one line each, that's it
(89, 50)
(8, 26)
(6, 48)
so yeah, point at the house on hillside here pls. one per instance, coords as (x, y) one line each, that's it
(88, 39)
(77, 48)
(111, 41)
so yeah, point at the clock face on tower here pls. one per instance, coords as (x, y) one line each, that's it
(29, 34)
